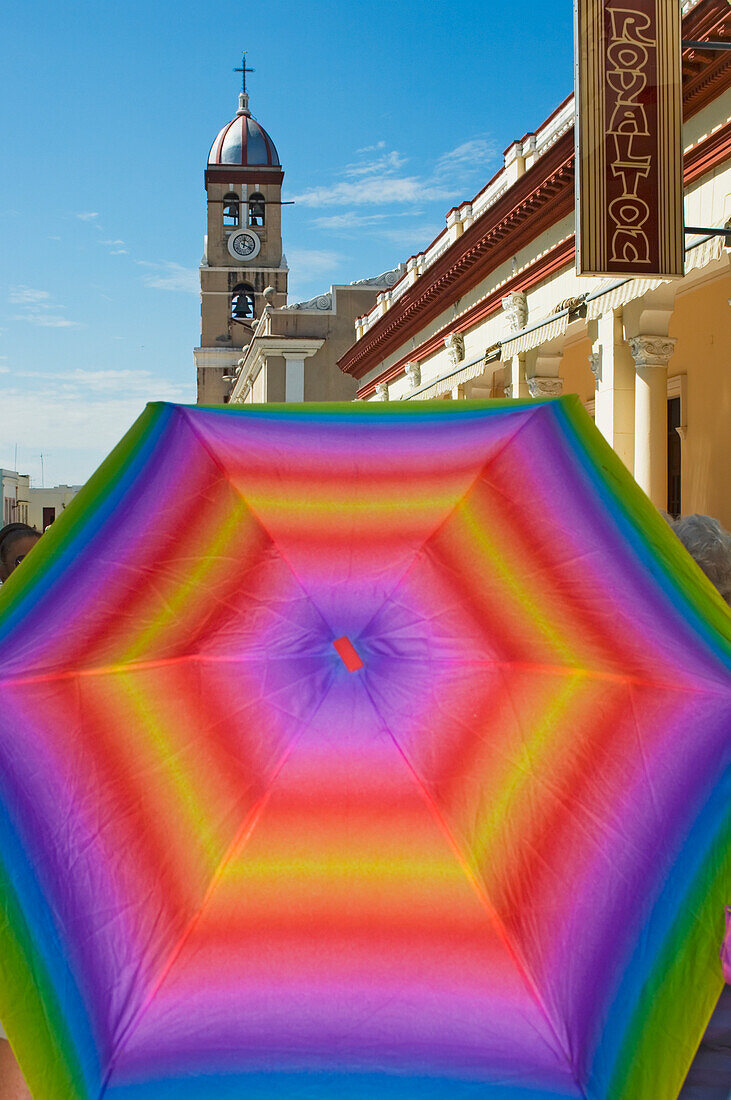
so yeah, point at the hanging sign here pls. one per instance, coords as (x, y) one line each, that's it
(629, 156)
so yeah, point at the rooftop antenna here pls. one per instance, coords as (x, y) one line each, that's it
(243, 94)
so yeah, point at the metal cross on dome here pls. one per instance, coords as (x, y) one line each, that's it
(244, 70)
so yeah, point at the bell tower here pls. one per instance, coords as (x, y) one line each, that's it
(243, 247)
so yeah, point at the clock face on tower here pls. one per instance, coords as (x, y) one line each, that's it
(244, 244)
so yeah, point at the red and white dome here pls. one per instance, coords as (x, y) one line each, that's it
(243, 142)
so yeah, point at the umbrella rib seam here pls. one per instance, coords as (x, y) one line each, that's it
(708, 688)
(242, 836)
(482, 895)
(215, 460)
(457, 504)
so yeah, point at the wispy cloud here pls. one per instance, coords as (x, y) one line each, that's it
(38, 308)
(371, 148)
(354, 220)
(468, 158)
(167, 275)
(376, 178)
(88, 216)
(383, 165)
(116, 246)
(414, 237)
(375, 191)
(311, 262)
(45, 320)
(313, 269)
(132, 384)
(79, 415)
(349, 220)
(25, 295)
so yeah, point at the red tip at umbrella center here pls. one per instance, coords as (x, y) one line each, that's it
(348, 653)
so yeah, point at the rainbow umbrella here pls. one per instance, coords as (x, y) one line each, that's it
(361, 752)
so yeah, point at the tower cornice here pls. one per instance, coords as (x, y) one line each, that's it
(230, 173)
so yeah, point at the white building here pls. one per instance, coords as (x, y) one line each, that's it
(15, 495)
(23, 503)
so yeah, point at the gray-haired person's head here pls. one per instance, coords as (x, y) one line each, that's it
(710, 545)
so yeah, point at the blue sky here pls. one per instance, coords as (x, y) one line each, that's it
(385, 114)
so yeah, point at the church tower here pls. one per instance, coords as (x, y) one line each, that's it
(243, 247)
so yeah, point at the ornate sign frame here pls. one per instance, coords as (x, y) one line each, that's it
(629, 149)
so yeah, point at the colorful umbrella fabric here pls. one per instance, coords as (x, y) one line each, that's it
(366, 751)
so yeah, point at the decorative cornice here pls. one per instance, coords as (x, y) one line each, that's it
(707, 154)
(225, 173)
(515, 306)
(385, 279)
(705, 73)
(542, 268)
(413, 375)
(454, 343)
(319, 302)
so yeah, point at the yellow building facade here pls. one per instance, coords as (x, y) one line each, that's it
(494, 307)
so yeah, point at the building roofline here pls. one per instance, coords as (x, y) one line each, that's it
(704, 79)
(713, 150)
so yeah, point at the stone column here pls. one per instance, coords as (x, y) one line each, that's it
(515, 307)
(515, 381)
(264, 376)
(651, 355)
(294, 377)
(614, 371)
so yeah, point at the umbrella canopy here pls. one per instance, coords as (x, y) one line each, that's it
(361, 751)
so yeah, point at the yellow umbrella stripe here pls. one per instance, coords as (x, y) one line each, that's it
(179, 604)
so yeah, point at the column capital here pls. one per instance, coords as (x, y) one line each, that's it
(651, 351)
(542, 386)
